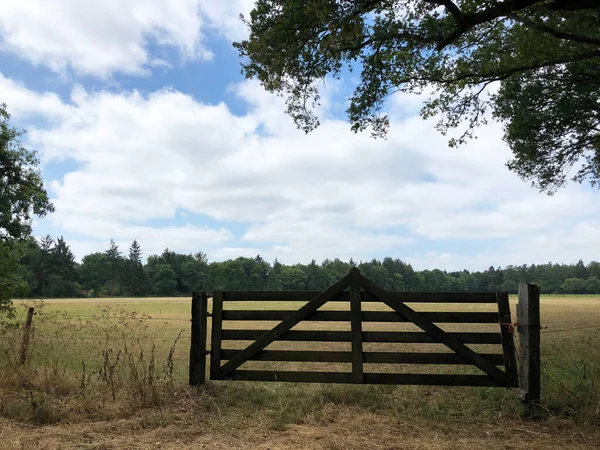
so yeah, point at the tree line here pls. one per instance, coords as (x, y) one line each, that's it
(50, 269)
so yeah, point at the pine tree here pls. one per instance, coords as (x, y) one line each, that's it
(43, 265)
(113, 251)
(115, 259)
(63, 276)
(135, 270)
(135, 252)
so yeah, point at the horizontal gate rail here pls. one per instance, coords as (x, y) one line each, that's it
(367, 316)
(368, 336)
(368, 378)
(408, 297)
(368, 357)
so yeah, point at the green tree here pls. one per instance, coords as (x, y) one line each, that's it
(115, 268)
(135, 270)
(592, 285)
(544, 56)
(574, 286)
(293, 278)
(594, 269)
(580, 270)
(22, 196)
(62, 281)
(165, 280)
(39, 263)
(195, 272)
(94, 272)
(12, 283)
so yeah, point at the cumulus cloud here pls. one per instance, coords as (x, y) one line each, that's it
(147, 157)
(104, 37)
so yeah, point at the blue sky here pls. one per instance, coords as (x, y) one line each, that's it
(147, 130)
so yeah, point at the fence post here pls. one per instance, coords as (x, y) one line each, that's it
(25, 337)
(198, 341)
(356, 326)
(528, 319)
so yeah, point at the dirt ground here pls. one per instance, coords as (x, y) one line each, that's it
(336, 429)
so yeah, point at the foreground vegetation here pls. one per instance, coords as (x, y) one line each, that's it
(92, 362)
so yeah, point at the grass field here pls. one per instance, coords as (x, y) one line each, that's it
(111, 373)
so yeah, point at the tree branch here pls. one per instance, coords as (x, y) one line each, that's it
(500, 75)
(451, 7)
(471, 20)
(572, 5)
(553, 32)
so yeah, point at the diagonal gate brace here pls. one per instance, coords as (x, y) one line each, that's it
(286, 325)
(436, 332)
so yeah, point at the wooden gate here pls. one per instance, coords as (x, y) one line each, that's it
(495, 369)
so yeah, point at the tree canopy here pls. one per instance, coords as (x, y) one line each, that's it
(22, 195)
(48, 269)
(533, 65)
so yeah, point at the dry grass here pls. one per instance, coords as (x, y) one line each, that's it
(140, 398)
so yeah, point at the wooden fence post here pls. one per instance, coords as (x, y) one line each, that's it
(356, 326)
(25, 337)
(528, 319)
(198, 341)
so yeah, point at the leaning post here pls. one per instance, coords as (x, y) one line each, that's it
(25, 337)
(528, 319)
(198, 340)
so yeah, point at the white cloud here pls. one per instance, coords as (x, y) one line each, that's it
(327, 194)
(225, 16)
(23, 102)
(567, 244)
(103, 37)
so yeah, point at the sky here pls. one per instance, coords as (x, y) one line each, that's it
(147, 130)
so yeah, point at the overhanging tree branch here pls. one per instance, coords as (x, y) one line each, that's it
(553, 32)
(471, 20)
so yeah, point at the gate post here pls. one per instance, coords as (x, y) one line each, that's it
(198, 342)
(528, 318)
(356, 326)
(25, 338)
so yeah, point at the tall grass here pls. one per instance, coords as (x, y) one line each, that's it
(113, 361)
(117, 363)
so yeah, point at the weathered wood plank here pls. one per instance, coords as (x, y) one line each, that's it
(368, 336)
(369, 378)
(287, 376)
(197, 375)
(407, 297)
(216, 334)
(528, 314)
(434, 331)
(367, 316)
(356, 328)
(294, 355)
(285, 325)
(368, 357)
(430, 379)
(508, 342)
